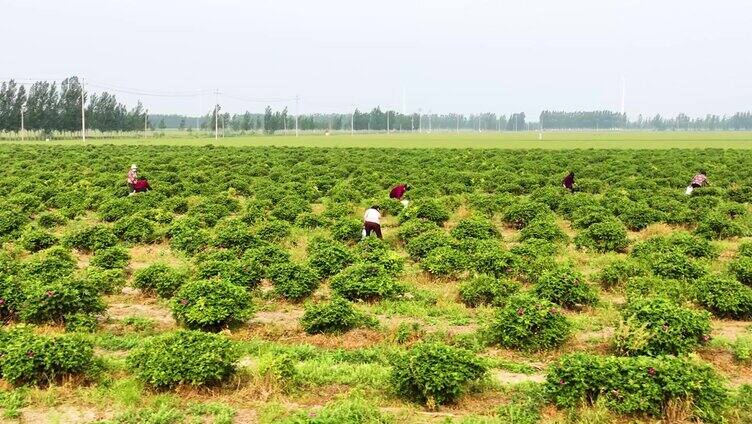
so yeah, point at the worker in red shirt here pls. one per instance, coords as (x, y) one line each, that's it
(141, 185)
(398, 192)
(568, 182)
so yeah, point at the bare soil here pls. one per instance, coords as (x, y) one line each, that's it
(730, 329)
(511, 378)
(161, 316)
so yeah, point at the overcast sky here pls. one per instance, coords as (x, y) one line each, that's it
(692, 56)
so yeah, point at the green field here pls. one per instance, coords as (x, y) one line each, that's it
(505, 140)
(240, 290)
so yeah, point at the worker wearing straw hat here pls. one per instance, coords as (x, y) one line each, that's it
(132, 178)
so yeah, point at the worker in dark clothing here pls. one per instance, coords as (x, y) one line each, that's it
(372, 221)
(398, 192)
(141, 185)
(699, 180)
(568, 182)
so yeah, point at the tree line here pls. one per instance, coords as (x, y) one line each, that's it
(605, 119)
(601, 119)
(48, 107)
(272, 121)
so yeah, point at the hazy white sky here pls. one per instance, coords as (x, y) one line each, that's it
(692, 56)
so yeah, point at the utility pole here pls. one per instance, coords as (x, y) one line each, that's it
(420, 121)
(216, 121)
(515, 122)
(458, 123)
(498, 124)
(146, 121)
(387, 122)
(83, 113)
(429, 122)
(479, 129)
(297, 98)
(216, 115)
(23, 130)
(352, 123)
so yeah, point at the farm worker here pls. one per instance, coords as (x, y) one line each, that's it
(132, 178)
(398, 192)
(141, 185)
(372, 221)
(568, 182)
(698, 181)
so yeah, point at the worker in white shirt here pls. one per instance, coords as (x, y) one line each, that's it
(372, 221)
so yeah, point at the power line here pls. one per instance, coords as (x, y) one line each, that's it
(259, 99)
(148, 93)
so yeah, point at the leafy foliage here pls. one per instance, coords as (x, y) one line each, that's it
(606, 236)
(435, 374)
(680, 242)
(210, 304)
(336, 316)
(640, 385)
(719, 226)
(184, 357)
(105, 280)
(528, 323)
(53, 301)
(34, 239)
(28, 358)
(445, 261)
(91, 239)
(242, 272)
(365, 281)
(328, 257)
(543, 229)
(487, 290)
(671, 329)
(414, 227)
(650, 286)
(135, 229)
(565, 286)
(346, 229)
(427, 209)
(293, 281)
(618, 272)
(159, 278)
(742, 269)
(474, 228)
(111, 258)
(725, 297)
(53, 264)
(520, 214)
(676, 265)
(423, 244)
